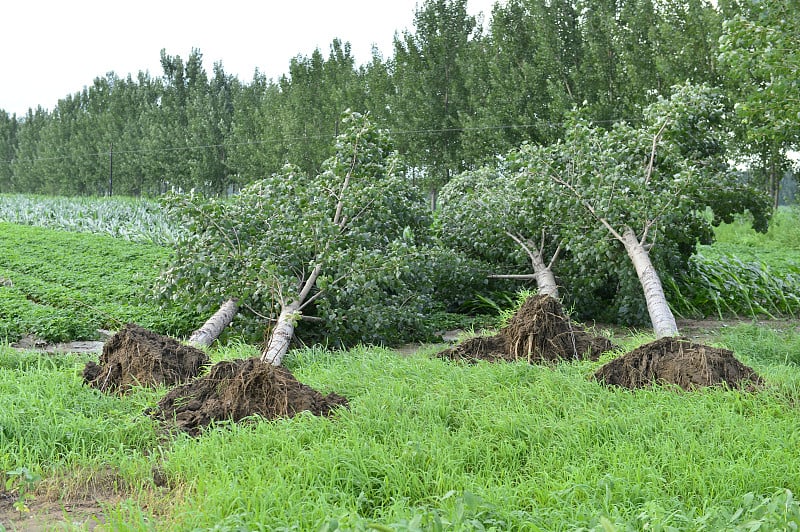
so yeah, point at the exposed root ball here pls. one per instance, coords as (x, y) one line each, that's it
(539, 331)
(680, 362)
(236, 389)
(138, 357)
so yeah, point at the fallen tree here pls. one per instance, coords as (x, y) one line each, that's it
(135, 356)
(538, 332)
(648, 187)
(505, 216)
(346, 251)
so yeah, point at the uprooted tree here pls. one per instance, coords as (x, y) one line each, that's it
(347, 250)
(648, 186)
(506, 216)
(509, 216)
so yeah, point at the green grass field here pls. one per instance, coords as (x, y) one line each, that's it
(59, 285)
(426, 445)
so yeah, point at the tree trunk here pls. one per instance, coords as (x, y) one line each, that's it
(211, 329)
(660, 314)
(282, 334)
(543, 274)
(545, 280)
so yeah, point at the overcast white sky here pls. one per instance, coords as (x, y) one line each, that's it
(49, 49)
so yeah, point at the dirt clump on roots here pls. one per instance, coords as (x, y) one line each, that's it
(538, 332)
(135, 356)
(678, 361)
(236, 389)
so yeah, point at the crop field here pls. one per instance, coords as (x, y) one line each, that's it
(745, 273)
(138, 220)
(59, 285)
(426, 444)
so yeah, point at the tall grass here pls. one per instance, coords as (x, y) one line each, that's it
(744, 273)
(428, 444)
(782, 234)
(138, 220)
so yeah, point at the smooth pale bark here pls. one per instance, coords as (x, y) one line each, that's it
(543, 274)
(211, 329)
(544, 277)
(281, 335)
(660, 314)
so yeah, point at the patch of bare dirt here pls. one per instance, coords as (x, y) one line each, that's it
(704, 330)
(540, 331)
(135, 356)
(678, 361)
(45, 516)
(72, 501)
(236, 389)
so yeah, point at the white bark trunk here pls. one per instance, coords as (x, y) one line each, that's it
(545, 279)
(211, 329)
(542, 273)
(660, 314)
(281, 335)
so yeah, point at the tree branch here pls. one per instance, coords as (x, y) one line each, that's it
(518, 240)
(656, 138)
(519, 277)
(554, 257)
(588, 207)
(337, 217)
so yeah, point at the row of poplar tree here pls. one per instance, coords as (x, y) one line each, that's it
(452, 92)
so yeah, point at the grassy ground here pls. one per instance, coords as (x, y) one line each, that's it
(426, 445)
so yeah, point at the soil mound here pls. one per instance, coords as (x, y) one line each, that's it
(539, 331)
(138, 357)
(236, 389)
(680, 362)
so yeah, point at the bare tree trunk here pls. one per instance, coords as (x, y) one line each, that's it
(660, 314)
(281, 335)
(211, 329)
(543, 274)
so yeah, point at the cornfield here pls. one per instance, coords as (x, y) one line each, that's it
(724, 285)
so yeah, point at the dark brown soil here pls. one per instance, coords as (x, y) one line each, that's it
(236, 389)
(138, 357)
(678, 361)
(540, 331)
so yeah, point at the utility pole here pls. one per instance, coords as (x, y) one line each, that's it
(110, 169)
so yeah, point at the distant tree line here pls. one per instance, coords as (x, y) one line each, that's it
(453, 93)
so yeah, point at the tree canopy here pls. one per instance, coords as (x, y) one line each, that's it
(760, 46)
(653, 179)
(348, 249)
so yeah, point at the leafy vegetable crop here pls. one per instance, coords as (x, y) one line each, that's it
(61, 286)
(138, 220)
